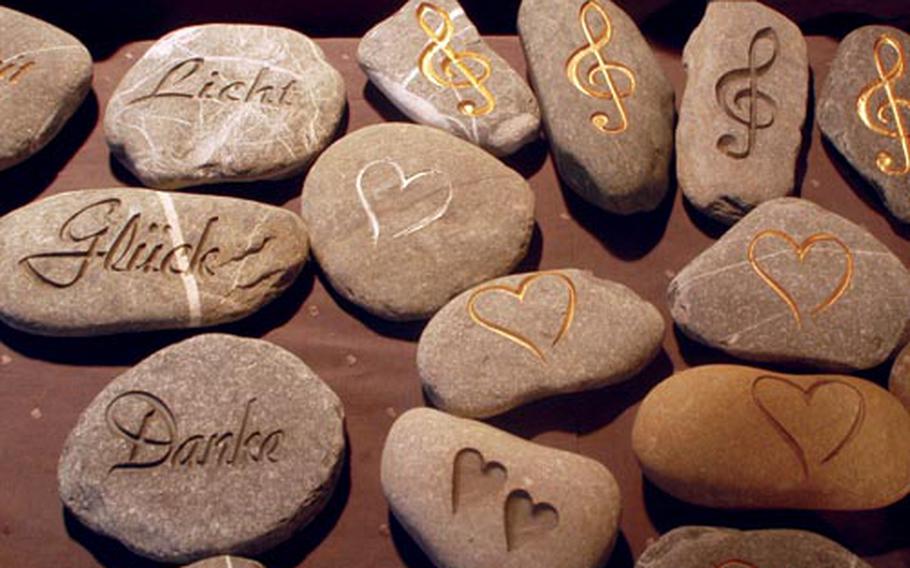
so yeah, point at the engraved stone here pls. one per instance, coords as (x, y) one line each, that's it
(103, 261)
(747, 438)
(224, 102)
(899, 383)
(607, 105)
(794, 283)
(473, 496)
(743, 110)
(45, 74)
(429, 60)
(226, 562)
(215, 445)
(864, 111)
(700, 547)
(528, 336)
(404, 217)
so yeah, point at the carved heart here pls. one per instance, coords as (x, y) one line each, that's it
(372, 195)
(474, 479)
(814, 428)
(526, 520)
(801, 250)
(519, 292)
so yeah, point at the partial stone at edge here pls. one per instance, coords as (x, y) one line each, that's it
(225, 562)
(899, 383)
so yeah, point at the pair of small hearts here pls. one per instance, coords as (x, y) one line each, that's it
(475, 480)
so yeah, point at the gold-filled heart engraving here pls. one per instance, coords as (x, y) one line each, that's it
(519, 292)
(525, 520)
(801, 250)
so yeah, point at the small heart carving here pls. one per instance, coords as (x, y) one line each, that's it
(519, 292)
(815, 429)
(526, 520)
(474, 479)
(404, 218)
(801, 250)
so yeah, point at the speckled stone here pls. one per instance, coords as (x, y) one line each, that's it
(226, 562)
(215, 445)
(899, 383)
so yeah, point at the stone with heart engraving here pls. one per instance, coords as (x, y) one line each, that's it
(104, 261)
(899, 383)
(863, 111)
(712, 547)
(45, 74)
(224, 103)
(794, 283)
(742, 114)
(214, 445)
(742, 437)
(473, 496)
(431, 62)
(614, 152)
(226, 562)
(527, 336)
(404, 217)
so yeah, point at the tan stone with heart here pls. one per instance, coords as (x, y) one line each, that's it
(473, 496)
(742, 437)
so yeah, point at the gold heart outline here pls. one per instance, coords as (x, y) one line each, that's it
(807, 394)
(519, 292)
(801, 250)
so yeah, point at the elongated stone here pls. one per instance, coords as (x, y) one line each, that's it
(431, 62)
(473, 496)
(103, 261)
(794, 283)
(45, 74)
(614, 152)
(214, 445)
(741, 437)
(224, 102)
(864, 111)
(743, 110)
(528, 336)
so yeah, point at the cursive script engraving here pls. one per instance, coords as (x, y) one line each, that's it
(520, 292)
(801, 250)
(748, 105)
(152, 435)
(799, 439)
(886, 118)
(735, 563)
(526, 520)
(596, 81)
(474, 479)
(14, 68)
(456, 69)
(193, 79)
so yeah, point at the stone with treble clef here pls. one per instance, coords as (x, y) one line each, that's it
(431, 63)
(743, 110)
(607, 105)
(864, 111)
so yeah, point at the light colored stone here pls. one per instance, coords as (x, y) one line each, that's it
(226, 562)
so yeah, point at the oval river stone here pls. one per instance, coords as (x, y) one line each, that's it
(45, 74)
(404, 217)
(794, 283)
(214, 445)
(473, 496)
(527, 336)
(224, 102)
(741, 437)
(701, 547)
(104, 261)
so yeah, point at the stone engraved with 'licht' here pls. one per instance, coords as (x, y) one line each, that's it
(457, 69)
(136, 246)
(151, 432)
(14, 68)
(596, 80)
(886, 118)
(746, 103)
(188, 80)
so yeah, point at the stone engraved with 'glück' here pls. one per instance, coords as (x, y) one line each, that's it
(596, 80)
(14, 68)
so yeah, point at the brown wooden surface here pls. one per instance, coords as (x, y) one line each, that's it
(45, 383)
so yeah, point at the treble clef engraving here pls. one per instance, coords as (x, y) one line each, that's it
(456, 69)
(596, 81)
(747, 105)
(885, 119)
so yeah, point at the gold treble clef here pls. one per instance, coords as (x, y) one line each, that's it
(596, 81)
(455, 70)
(879, 118)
